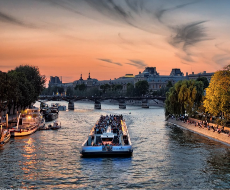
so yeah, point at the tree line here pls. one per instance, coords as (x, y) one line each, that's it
(114, 90)
(188, 97)
(20, 87)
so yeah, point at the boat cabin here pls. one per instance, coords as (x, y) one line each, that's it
(107, 138)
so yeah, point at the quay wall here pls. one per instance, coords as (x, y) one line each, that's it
(222, 137)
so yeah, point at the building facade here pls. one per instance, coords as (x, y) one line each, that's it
(55, 81)
(150, 74)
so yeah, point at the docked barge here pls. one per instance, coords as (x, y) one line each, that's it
(108, 137)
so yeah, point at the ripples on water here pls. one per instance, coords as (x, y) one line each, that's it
(164, 157)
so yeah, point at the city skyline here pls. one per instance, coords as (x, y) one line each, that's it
(112, 38)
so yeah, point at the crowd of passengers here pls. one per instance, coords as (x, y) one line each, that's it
(109, 120)
(202, 124)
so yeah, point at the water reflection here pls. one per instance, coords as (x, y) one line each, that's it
(163, 158)
(207, 159)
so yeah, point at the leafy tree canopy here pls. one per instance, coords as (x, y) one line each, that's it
(217, 97)
(141, 88)
(183, 96)
(204, 80)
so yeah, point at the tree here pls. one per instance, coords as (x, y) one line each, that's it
(169, 84)
(69, 91)
(183, 96)
(204, 80)
(130, 90)
(141, 87)
(217, 99)
(105, 87)
(3, 91)
(81, 87)
(33, 75)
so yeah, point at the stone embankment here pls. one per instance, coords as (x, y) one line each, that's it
(220, 137)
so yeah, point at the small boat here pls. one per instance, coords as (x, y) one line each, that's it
(55, 126)
(45, 127)
(108, 137)
(4, 137)
(58, 106)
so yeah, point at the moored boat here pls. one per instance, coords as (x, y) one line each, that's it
(108, 137)
(4, 137)
(28, 122)
(23, 130)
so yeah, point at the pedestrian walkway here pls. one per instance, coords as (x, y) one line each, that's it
(220, 137)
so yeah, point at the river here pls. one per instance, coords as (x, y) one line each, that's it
(164, 157)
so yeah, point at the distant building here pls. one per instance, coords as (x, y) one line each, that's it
(203, 74)
(54, 81)
(150, 74)
(157, 81)
(89, 82)
(176, 72)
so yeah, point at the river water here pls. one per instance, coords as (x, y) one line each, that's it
(163, 158)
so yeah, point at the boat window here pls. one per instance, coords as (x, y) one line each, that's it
(106, 139)
(20, 121)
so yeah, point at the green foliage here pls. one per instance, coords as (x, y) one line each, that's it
(3, 91)
(130, 90)
(69, 91)
(81, 87)
(204, 80)
(33, 75)
(217, 99)
(169, 84)
(141, 88)
(20, 87)
(183, 96)
(105, 87)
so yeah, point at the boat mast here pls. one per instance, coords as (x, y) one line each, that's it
(18, 120)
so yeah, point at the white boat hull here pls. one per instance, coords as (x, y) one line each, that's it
(22, 132)
(115, 151)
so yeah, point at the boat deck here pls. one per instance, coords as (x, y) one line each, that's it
(109, 136)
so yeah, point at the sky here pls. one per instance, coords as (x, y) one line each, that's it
(111, 38)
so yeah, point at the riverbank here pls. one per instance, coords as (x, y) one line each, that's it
(220, 137)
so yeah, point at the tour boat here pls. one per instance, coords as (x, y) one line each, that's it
(4, 137)
(28, 122)
(108, 137)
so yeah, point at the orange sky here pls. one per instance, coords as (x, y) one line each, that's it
(67, 38)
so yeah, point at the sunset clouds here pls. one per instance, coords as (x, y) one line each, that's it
(114, 37)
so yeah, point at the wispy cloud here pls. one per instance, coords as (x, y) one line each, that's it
(137, 63)
(188, 35)
(109, 61)
(160, 12)
(219, 46)
(125, 40)
(63, 4)
(221, 59)
(12, 20)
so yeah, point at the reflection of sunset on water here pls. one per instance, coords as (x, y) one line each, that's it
(51, 159)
